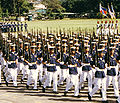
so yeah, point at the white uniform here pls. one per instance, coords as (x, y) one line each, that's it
(73, 79)
(51, 73)
(32, 77)
(40, 71)
(98, 29)
(12, 68)
(114, 80)
(100, 80)
(106, 29)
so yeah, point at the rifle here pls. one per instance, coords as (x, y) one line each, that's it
(82, 46)
(37, 35)
(94, 33)
(108, 52)
(96, 55)
(47, 33)
(61, 45)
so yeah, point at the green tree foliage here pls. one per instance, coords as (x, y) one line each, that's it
(82, 6)
(15, 6)
(53, 5)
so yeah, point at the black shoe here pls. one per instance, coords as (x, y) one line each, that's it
(27, 86)
(4, 77)
(116, 97)
(61, 84)
(40, 83)
(43, 90)
(0, 83)
(117, 101)
(100, 93)
(79, 90)
(49, 87)
(89, 97)
(21, 81)
(65, 93)
(105, 101)
(77, 96)
(16, 86)
(6, 83)
(55, 92)
(82, 87)
(92, 85)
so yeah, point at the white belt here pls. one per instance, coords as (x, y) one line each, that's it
(101, 70)
(50, 65)
(12, 62)
(112, 66)
(33, 63)
(97, 69)
(71, 66)
(85, 64)
(61, 63)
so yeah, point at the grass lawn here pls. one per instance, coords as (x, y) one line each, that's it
(66, 23)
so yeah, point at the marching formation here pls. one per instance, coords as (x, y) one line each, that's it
(13, 26)
(73, 57)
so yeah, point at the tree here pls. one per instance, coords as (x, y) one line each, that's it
(15, 6)
(83, 6)
(53, 5)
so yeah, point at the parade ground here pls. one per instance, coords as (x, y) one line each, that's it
(21, 94)
(66, 23)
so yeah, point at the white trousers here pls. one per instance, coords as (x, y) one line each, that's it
(98, 31)
(106, 31)
(114, 81)
(12, 75)
(51, 76)
(79, 69)
(26, 71)
(100, 82)
(20, 67)
(45, 75)
(73, 81)
(3, 63)
(116, 30)
(0, 73)
(64, 75)
(40, 71)
(58, 72)
(84, 75)
(6, 70)
(32, 77)
(118, 99)
(93, 76)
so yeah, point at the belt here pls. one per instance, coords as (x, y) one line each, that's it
(71, 66)
(12, 62)
(86, 64)
(101, 69)
(33, 63)
(112, 66)
(51, 65)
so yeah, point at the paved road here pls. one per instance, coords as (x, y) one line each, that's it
(20, 94)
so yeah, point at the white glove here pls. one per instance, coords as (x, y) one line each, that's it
(108, 68)
(41, 59)
(61, 63)
(106, 65)
(96, 68)
(29, 64)
(47, 65)
(22, 59)
(82, 64)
